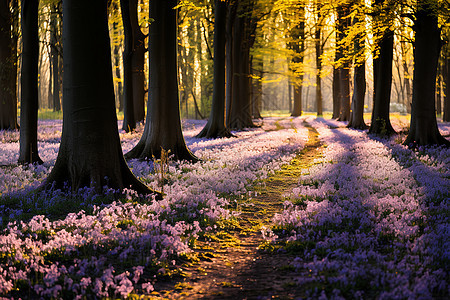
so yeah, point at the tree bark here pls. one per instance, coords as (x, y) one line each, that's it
(343, 68)
(446, 90)
(28, 152)
(8, 70)
(427, 46)
(359, 92)
(359, 81)
(298, 35)
(240, 115)
(382, 66)
(336, 93)
(163, 125)
(318, 46)
(138, 62)
(55, 48)
(216, 126)
(129, 122)
(90, 153)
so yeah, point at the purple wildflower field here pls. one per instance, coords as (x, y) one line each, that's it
(370, 219)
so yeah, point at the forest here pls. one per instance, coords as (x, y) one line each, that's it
(220, 149)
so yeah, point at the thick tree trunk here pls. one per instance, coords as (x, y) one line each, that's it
(55, 48)
(118, 76)
(298, 35)
(240, 111)
(229, 59)
(446, 91)
(163, 125)
(382, 67)
(344, 91)
(216, 126)
(90, 153)
(129, 122)
(8, 70)
(343, 68)
(427, 45)
(336, 93)
(29, 83)
(359, 92)
(138, 63)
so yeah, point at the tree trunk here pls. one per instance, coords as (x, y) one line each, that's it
(336, 93)
(118, 76)
(163, 125)
(359, 81)
(8, 70)
(28, 153)
(446, 90)
(427, 46)
(240, 111)
(382, 67)
(129, 122)
(318, 45)
(138, 63)
(216, 126)
(90, 153)
(344, 68)
(55, 48)
(298, 35)
(359, 92)
(229, 59)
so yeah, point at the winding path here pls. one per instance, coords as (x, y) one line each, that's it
(232, 267)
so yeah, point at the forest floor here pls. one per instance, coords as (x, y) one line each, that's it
(235, 264)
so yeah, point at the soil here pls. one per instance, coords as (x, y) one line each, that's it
(233, 266)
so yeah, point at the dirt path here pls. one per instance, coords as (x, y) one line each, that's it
(231, 266)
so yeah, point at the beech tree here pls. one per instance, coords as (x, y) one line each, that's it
(427, 47)
(29, 83)
(8, 68)
(90, 153)
(359, 75)
(382, 69)
(129, 121)
(216, 126)
(298, 46)
(343, 68)
(240, 38)
(163, 124)
(134, 60)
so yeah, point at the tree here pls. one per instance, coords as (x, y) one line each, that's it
(446, 85)
(133, 60)
(29, 83)
(343, 68)
(8, 69)
(55, 52)
(163, 125)
(319, 45)
(382, 68)
(216, 126)
(241, 28)
(359, 82)
(129, 122)
(427, 46)
(298, 46)
(90, 153)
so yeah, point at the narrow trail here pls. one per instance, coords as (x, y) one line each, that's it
(231, 266)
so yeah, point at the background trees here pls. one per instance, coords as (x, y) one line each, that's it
(291, 56)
